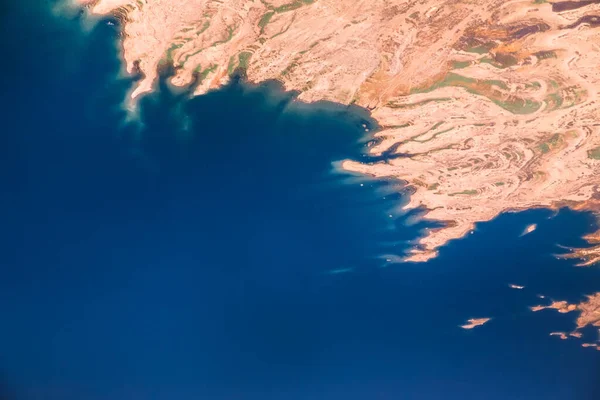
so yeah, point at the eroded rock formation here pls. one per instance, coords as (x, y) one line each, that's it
(484, 106)
(589, 314)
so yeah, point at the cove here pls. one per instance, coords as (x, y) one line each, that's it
(212, 250)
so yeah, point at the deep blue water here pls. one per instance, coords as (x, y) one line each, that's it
(193, 254)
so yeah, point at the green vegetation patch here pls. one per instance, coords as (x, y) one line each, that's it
(244, 59)
(499, 61)
(435, 126)
(241, 61)
(505, 60)
(550, 144)
(519, 106)
(205, 26)
(293, 5)
(419, 103)
(487, 88)
(171, 49)
(594, 153)
(555, 139)
(534, 85)
(460, 64)
(450, 79)
(544, 148)
(203, 74)
(231, 65)
(289, 68)
(481, 49)
(264, 20)
(554, 100)
(432, 137)
(495, 82)
(399, 126)
(543, 55)
(230, 32)
(469, 192)
(473, 85)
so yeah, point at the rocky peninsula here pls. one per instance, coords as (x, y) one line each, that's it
(589, 315)
(484, 106)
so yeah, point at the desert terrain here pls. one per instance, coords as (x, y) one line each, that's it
(483, 106)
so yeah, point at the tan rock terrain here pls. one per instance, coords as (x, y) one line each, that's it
(484, 105)
(475, 322)
(589, 314)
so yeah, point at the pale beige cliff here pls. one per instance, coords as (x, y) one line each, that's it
(484, 105)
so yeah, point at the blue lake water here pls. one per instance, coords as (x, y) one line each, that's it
(211, 250)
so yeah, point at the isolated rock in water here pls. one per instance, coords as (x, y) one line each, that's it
(529, 229)
(474, 322)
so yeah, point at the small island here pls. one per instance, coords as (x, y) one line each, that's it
(560, 306)
(589, 314)
(565, 335)
(561, 335)
(529, 229)
(474, 322)
(592, 345)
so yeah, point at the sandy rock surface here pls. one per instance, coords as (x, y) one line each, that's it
(484, 106)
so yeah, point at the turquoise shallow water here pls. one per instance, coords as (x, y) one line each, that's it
(212, 251)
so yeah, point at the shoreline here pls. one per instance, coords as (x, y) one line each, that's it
(455, 200)
(136, 194)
